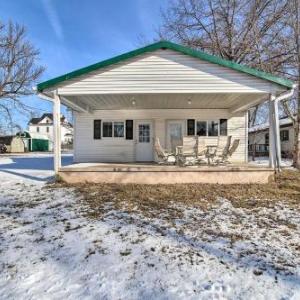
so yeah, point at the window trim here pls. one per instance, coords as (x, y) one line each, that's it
(113, 129)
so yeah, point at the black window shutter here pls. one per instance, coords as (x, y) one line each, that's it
(129, 129)
(190, 127)
(223, 126)
(97, 129)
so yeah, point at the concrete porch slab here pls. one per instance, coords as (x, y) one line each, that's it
(158, 174)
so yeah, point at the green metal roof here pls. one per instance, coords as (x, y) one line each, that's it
(166, 45)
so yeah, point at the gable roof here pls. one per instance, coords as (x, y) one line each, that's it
(172, 46)
(35, 121)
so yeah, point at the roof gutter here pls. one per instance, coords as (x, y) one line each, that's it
(41, 94)
(287, 94)
(45, 97)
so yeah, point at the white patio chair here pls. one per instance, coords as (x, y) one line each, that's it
(175, 142)
(164, 157)
(222, 150)
(187, 153)
(232, 149)
(201, 149)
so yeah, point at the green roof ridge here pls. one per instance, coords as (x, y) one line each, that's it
(172, 46)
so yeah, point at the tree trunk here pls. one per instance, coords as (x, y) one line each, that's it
(296, 158)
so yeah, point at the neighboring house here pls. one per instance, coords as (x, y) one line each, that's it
(14, 144)
(121, 104)
(43, 126)
(259, 139)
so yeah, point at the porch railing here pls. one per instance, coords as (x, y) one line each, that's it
(258, 149)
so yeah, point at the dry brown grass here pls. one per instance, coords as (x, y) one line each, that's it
(154, 200)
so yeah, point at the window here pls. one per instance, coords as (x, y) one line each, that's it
(113, 129)
(38, 129)
(284, 135)
(144, 133)
(107, 129)
(201, 128)
(118, 129)
(213, 128)
(47, 129)
(267, 138)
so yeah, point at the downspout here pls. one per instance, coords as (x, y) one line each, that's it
(287, 94)
(283, 96)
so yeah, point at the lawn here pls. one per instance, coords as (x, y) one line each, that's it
(150, 242)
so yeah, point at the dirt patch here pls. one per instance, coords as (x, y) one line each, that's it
(154, 200)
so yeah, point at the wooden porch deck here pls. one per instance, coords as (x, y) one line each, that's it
(142, 173)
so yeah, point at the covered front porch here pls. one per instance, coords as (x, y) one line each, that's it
(163, 90)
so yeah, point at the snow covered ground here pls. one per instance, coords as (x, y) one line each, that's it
(51, 248)
(264, 161)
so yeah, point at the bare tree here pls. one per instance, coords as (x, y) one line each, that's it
(292, 107)
(245, 31)
(18, 68)
(252, 32)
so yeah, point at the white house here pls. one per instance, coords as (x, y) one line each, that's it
(160, 90)
(259, 138)
(44, 127)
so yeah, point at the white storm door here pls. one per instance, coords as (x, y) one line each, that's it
(144, 141)
(175, 131)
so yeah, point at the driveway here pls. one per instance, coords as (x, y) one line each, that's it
(36, 167)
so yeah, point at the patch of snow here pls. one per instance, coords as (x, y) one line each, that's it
(49, 249)
(264, 161)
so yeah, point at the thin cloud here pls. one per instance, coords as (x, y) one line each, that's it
(53, 19)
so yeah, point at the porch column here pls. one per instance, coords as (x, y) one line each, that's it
(56, 133)
(274, 134)
(276, 129)
(271, 134)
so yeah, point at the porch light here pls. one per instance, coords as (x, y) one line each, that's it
(133, 101)
(189, 101)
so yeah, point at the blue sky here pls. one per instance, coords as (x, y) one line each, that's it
(74, 33)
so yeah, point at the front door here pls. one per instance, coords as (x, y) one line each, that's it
(175, 132)
(144, 141)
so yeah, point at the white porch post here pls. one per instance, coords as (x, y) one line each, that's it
(276, 129)
(56, 133)
(274, 134)
(271, 134)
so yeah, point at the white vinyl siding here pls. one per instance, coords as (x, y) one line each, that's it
(237, 128)
(86, 149)
(165, 71)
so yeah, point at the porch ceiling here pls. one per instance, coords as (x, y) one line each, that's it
(232, 101)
